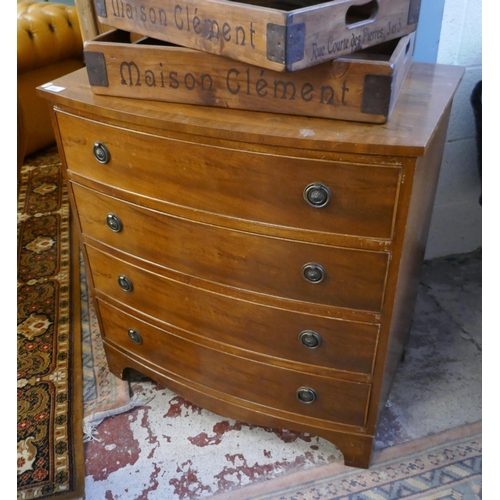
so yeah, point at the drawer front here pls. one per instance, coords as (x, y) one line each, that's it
(342, 345)
(353, 279)
(233, 183)
(333, 400)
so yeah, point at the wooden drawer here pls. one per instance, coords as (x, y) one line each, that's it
(353, 279)
(236, 184)
(363, 87)
(273, 387)
(274, 34)
(344, 345)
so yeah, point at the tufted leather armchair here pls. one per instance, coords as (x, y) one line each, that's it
(49, 45)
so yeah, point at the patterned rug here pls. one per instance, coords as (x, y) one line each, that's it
(445, 466)
(49, 439)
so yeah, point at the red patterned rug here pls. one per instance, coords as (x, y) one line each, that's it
(50, 461)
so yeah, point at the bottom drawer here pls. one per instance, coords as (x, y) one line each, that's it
(273, 387)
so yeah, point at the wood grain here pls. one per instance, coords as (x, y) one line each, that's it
(272, 387)
(264, 36)
(424, 96)
(229, 182)
(216, 226)
(354, 278)
(217, 316)
(347, 88)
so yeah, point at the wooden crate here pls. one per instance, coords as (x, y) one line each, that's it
(282, 35)
(362, 87)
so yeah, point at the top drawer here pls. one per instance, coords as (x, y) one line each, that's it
(360, 199)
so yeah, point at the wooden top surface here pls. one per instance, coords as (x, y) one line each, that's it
(425, 95)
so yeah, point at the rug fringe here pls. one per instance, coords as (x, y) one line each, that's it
(92, 421)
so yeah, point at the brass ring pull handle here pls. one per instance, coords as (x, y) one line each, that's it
(306, 395)
(310, 339)
(114, 223)
(125, 283)
(135, 336)
(313, 272)
(317, 195)
(101, 153)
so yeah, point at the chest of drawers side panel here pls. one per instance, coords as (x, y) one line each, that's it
(416, 210)
(418, 222)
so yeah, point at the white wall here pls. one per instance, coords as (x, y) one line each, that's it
(457, 217)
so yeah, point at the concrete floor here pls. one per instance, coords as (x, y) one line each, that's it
(170, 449)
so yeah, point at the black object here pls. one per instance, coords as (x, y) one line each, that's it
(476, 101)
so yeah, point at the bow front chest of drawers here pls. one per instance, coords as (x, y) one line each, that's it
(262, 266)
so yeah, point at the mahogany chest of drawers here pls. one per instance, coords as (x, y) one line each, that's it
(262, 266)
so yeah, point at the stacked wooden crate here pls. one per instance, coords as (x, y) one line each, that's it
(343, 59)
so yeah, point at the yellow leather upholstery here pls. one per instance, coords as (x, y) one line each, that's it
(49, 45)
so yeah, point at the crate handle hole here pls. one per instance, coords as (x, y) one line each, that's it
(357, 14)
(407, 48)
